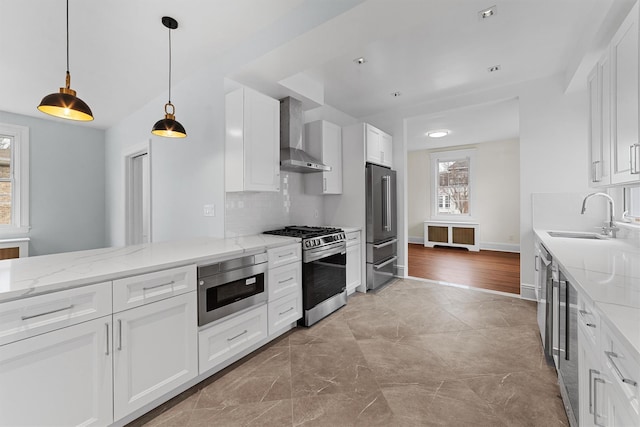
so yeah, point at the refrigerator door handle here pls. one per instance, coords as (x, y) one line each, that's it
(386, 213)
(382, 245)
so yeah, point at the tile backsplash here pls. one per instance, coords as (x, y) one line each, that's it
(253, 213)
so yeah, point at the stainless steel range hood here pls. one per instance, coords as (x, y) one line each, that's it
(293, 158)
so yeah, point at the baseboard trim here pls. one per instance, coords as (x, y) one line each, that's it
(500, 247)
(527, 291)
(485, 246)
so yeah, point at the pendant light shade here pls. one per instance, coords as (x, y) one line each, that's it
(65, 104)
(169, 127)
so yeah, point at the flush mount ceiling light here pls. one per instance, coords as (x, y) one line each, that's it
(438, 133)
(65, 104)
(169, 127)
(360, 60)
(396, 94)
(487, 13)
(494, 68)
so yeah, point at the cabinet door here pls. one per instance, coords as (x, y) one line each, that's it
(386, 149)
(155, 351)
(624, 75)
(373, 145)
(598, 136)
(261, 142)
(353, 273)
(619, 410)
(590, 382)
(60, 378)
(332, 156)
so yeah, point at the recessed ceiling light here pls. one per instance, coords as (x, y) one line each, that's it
(396, 94)
(494, 68)
(438, 133)
(360, 60)
(487, 13)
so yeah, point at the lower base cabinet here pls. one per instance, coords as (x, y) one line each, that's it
(354, 262)
(223, 340)
(61, 378)
(155, 351)
(284, 311)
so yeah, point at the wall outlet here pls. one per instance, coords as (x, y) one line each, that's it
(209, 210)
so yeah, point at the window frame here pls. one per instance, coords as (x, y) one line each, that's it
(452, 155)
(19, 179)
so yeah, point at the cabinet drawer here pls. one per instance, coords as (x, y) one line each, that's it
(139, 290)
(36, 315)
(353, 238)
(224, 340)
(589, 322)
(284, 255)
(622, 368)
(284, 280)
(284, 311)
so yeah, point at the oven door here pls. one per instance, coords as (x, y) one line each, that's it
(325, 276)
(231, 291)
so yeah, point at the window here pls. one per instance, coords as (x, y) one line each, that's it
(14, 179)
(452, 178)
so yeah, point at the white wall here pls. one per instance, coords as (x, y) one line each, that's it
(186, 173)
(66, 185)
(497, 201)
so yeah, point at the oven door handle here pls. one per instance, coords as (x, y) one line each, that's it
(387, 262)
(323, 253)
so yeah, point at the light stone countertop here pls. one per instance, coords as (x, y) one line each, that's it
(23, 277)
(608, 273)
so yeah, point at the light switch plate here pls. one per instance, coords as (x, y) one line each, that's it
(209, 210)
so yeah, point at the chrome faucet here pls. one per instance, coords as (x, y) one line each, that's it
(609, 229)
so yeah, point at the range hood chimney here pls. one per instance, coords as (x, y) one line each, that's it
(293, 158)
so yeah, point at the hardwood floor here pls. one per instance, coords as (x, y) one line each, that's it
(498, 271)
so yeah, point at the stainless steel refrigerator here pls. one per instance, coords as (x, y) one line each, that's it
(381, 229)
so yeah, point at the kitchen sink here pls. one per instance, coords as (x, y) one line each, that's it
(577, 235)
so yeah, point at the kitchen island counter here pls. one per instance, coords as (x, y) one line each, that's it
(25, 277)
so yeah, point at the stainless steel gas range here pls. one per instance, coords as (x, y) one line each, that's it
(324, 260)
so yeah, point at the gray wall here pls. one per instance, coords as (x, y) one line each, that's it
(67, 185)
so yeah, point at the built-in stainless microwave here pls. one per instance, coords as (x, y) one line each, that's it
(229, 286)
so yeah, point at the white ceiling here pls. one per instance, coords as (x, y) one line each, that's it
(424, 49)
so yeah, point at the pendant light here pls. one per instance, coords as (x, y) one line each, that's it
(65, 104)
(169, 127)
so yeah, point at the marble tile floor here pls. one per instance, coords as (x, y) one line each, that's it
(411, 354)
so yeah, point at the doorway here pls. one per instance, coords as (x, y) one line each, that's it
(138, 196)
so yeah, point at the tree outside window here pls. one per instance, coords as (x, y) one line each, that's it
(453, 186)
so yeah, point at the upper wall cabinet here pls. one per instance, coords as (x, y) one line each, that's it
(614, 152)
(252, 141)
(323, 140)
(599, 124)
(379, 147)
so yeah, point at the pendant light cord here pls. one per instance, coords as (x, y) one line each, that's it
(67, 36)
(169, 65)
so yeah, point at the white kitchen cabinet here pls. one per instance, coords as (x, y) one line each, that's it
(378, 147)
(225, 339)
(285, 287)
(61, 378)
(599, 84)
(284, 311)
(323, 140)
(155, 351)
(625, 148)
(252, 141)
(24, 318)
(354, 260)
